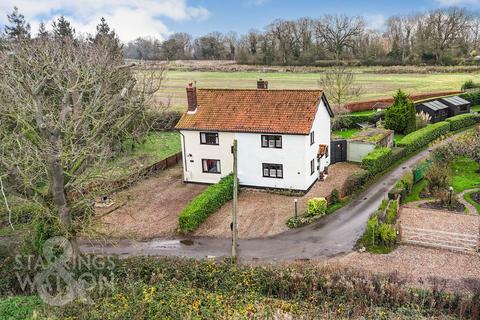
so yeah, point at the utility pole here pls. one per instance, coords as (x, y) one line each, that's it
(235, 196)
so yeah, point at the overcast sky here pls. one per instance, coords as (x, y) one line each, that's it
(159, 18)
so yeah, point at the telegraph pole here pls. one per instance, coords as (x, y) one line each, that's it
(235, 195)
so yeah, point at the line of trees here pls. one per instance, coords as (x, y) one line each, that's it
(444, 37)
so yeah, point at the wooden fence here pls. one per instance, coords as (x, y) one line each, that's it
(383, 103)
(133, 178)
(463, 242)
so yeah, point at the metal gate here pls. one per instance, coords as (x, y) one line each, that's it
(338, 151)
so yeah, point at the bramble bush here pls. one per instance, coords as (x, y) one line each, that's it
(169, 288)
(462, 121)
(208, 202)
(420, 138)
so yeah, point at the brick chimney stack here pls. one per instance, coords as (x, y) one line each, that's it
(262, 85)
(192, 97)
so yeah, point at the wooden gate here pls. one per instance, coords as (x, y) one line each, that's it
(338, 151)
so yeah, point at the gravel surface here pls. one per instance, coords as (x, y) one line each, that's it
(439, 220)
(262, 213)
(418, 266)
(151, 207)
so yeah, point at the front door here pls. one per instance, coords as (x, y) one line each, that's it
(338, 151)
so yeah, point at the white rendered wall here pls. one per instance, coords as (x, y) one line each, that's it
(251, 155)
(357, 150)
(321, 129)
(194, 152)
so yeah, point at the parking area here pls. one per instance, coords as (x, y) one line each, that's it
(150, 208)
(263, 214)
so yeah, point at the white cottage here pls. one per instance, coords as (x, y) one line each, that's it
(282, 135)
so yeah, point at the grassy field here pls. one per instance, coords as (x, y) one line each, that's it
(374, 85)
(476, 108)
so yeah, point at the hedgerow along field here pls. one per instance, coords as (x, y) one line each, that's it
(374, 85)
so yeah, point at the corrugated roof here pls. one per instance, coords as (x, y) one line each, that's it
(435, 105)
(456, 100)
(245, 110)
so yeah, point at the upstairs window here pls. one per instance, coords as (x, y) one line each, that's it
(312, 137)
(271, 170)
(210, 166)
(209, 138)
(271, 141)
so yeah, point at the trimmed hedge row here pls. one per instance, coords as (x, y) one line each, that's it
(420, 138)
(208, 202)
(462, 121)
(377, 160)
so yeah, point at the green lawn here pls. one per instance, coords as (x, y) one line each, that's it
(345, 134)
(465, 174)
(470, 200)
(158, 146)
(476, 108)
(363, 113)
(374, 85)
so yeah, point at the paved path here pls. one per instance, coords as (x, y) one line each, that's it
(333, 235)
(470, 207)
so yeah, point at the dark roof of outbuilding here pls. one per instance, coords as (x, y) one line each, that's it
(435, 105)
(456, 101)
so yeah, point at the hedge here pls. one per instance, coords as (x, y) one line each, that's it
(423, 137)
(377, 160)
(208, 202)
(473, 97)
(463, 121)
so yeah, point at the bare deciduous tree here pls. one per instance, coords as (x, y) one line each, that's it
(340, 86)
(338, 32)
(64, 107)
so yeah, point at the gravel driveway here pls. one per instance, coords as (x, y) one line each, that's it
(262, 213)
(419, 265)
(439, 220)
(151, 207)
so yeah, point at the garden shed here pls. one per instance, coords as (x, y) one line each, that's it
(437, 110)
(457, 105)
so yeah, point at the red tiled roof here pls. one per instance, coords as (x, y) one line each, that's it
(244, 110)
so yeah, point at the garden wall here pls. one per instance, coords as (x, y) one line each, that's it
(357, 150)
(383, 103)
